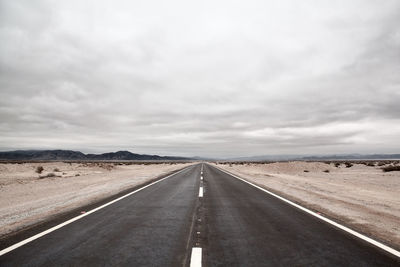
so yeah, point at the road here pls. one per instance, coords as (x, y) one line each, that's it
(247, 227)
(149, 228)
(233, 223)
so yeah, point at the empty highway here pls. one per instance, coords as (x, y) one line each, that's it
(200, 216)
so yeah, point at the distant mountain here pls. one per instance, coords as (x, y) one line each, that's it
(42, 155)
(317, 157)
(266, 158)
(126, 155)
(353, 157)
(77, 155)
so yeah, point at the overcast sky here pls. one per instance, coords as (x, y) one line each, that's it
(207, 78)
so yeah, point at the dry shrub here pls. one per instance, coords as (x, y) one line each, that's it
(391, 168)
(51, 174)
(39, 169)
(348, 164)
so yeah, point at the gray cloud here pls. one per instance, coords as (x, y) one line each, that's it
(210, 79)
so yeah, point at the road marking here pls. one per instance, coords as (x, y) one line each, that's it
(195, 259)
(201, 191)
(342, 227)
(201, 178)
(30, 239)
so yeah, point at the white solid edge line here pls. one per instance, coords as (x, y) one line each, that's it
(30, 239)
(342, 227)
(195, 259)
(201, 191)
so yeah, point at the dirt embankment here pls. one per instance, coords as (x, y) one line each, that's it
(360, 196)
(27, 197)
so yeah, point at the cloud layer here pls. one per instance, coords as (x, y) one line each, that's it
(214, 78)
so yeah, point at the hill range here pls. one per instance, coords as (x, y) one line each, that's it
(77, 155)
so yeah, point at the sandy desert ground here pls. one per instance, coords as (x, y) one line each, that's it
(362, 197)
(26, 198)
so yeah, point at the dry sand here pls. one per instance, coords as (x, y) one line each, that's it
(26, 199)
(362, 197)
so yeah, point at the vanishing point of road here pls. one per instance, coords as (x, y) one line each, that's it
(199, 216)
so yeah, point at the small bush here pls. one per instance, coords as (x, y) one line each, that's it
(306, 171)
(48, 175)
(77, 174)
(56, 170)
(326, 171)
(391, 168)
(337, 164)
(39, 169)
(371, 164)
(348, 164)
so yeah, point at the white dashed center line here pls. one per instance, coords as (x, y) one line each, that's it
(201, 191)
(195, 259)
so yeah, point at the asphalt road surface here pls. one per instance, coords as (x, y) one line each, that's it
(149, 228)
(234, 223)
(247, 227)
